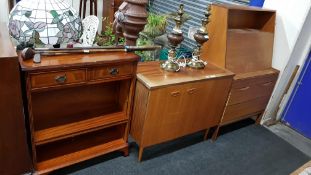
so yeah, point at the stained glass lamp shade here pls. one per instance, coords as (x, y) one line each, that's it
(44, 22)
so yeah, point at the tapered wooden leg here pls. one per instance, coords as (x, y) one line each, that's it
(215, 134)
(206, 134)
(125, 151)
(258, 119)
(140, 153)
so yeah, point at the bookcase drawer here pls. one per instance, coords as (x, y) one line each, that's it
(48, 79)
(111, 71)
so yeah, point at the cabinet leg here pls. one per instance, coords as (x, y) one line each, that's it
(140, 153)
(215, 134)
(125, 151)
(258, 119)
(206, 134)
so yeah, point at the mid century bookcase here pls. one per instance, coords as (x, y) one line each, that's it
(79, 106)
(241, 40)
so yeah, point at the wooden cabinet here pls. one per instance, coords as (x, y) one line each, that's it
(241, 40)
(14, 151)
(170, 105)
(79, 106)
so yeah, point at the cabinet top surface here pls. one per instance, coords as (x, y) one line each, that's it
(77, 60)
(241, 7)
(6, 47)
(152, 76)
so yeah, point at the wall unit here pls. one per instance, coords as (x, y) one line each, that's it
(241, 40)
(170, 105)
(79, 106)
(14, 152)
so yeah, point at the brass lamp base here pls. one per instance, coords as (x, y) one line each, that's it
(196, 64)
(170, 66)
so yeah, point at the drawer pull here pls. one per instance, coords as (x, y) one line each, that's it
(113, 71)
(244, 89)
(191, 91)
(267, 84)
(175, 94)
(61, 78)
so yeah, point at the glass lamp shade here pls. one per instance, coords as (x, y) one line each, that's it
(44, 22)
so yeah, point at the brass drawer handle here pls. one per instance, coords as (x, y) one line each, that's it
(114, 71)
(191, 91)
(61, 79)
(267, 84)
(244, 89)
(175, 94)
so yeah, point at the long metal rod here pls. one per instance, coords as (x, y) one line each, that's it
(29, 53)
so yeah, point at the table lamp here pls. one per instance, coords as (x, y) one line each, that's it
(44, 22)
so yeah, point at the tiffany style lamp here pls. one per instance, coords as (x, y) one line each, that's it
(44, 22)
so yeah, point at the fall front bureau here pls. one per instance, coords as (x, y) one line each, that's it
(170, 105)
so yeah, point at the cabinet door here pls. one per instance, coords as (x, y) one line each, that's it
(205, 104)
(164, 118)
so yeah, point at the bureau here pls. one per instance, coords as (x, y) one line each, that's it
(241, 40)
(79, 106)
(170, 105)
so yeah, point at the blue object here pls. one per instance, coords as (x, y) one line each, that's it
(256, 3)
(297, 113)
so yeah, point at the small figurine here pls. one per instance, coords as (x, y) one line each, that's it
(90, 27)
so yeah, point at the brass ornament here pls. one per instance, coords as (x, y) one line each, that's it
(175, 38)
(201, 36)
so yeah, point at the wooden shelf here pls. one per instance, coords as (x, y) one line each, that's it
(69, 151)
(74, 128)
(72, 158)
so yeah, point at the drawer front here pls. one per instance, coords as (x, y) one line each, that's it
(238, 111)
(241, 83)
(250, 92)
(49, 79)
(111, 71)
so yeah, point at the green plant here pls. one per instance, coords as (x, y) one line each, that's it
(156, 25)
(107, 38)
(145, 55)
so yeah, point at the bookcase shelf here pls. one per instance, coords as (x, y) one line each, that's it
(73, 150)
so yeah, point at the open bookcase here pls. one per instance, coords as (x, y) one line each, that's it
(80, 111)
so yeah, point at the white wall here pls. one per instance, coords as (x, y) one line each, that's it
(292, 44)
(4, 12)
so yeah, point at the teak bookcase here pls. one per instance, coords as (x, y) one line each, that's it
(79, 106)
(241, 40)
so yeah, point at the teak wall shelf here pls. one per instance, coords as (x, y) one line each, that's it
(79, 106)
(241, 40)
(170, 105)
